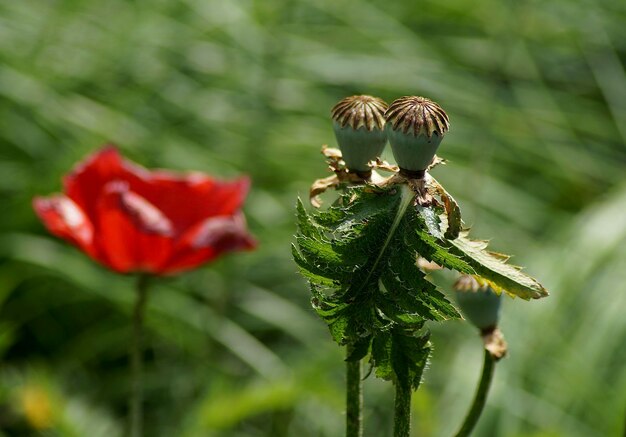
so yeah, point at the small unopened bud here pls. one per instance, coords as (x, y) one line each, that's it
(415, 128)
(359, 124)
(479, 303)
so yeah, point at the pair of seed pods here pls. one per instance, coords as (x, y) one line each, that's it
(413, 125)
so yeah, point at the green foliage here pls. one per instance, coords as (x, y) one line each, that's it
(401, 356)
(360, 257)
(365, 282)
(470, 257)
(493, 267)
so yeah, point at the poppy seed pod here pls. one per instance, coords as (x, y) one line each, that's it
(359, 125)
(415, 127)
(479, 303)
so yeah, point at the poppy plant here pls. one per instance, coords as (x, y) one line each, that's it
(154, 223)
(134, 220)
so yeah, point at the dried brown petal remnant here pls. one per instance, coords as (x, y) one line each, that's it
(417, 115)
(358, 111)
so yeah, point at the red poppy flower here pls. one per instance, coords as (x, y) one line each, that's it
(134, 220)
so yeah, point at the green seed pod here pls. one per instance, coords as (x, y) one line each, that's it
(479, 303)
(415, 127)
(359, 124)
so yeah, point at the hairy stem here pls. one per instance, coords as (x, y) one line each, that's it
(480, 398)
(136, 359)
(354, 397)
(402, 414)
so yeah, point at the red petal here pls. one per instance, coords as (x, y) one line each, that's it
(65, 219)
(185, 199)
(190, 199)
(131, 233)
(208, 240)
(85, 183)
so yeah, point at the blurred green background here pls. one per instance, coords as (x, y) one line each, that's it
(536, 93)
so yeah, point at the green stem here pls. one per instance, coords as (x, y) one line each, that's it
(136, 359)
(402, 415)
(480, 398)
(354, 397)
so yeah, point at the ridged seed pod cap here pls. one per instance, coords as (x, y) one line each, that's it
(359, 125)
(415, 128)
(479, 303)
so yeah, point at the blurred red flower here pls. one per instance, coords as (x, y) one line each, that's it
(134, 220)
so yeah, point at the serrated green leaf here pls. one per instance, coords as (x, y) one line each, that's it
(311, 272)
(401, 303)
(431, 220)
(494, 268)
(338, 328)
(401, 356)
(381, 356)
(305, 223)
(409, 357)
(432, 247)
(327, 307)
(418, 287)
(360, 349)
(470, 257)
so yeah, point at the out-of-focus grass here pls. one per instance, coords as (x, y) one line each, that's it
(536, 92)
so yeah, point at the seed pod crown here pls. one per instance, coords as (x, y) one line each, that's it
(417, 115)
(360, 111)
(359, 125)
(415, 127)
